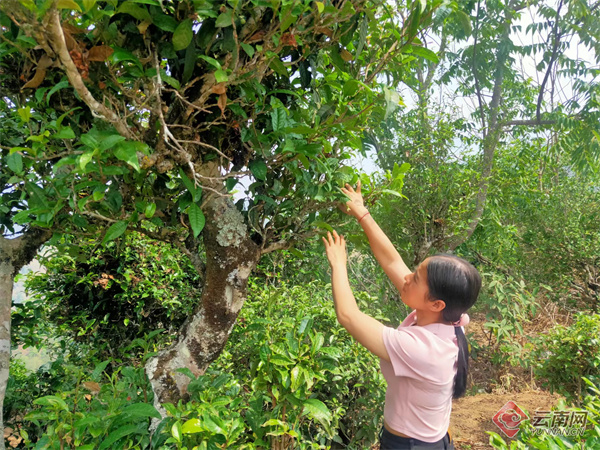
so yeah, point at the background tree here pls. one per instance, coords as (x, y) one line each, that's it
(512, 63)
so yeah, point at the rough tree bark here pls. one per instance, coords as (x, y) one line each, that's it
(231, 255)
(14, 254)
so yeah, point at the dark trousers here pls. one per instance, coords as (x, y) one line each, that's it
(390, 441)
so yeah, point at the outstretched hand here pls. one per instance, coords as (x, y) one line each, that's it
(335, 247)
(355, 205)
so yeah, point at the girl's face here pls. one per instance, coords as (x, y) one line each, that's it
(415, 290)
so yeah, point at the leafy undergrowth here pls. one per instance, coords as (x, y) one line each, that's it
(290, 376)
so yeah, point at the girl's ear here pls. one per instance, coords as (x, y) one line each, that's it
(437, 305)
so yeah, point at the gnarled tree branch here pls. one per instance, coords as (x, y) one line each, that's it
(56, 38)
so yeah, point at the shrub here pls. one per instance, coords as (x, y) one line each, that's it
(508, 304)
(289, 377)
(105, 297)
(99, 411)
(566, 354)
(291, 347)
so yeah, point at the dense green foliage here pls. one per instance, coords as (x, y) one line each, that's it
(270, 100)
(109, 295)
(566, 354)
(198, 95)
(290, 374)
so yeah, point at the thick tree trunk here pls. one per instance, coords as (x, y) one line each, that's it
(14, 254)
(230, 258)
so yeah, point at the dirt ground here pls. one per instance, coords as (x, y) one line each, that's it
(472, 415)
(490, 387)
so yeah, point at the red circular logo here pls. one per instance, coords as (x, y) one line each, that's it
(509, 418)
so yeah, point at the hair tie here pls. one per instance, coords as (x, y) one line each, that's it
(463, 321)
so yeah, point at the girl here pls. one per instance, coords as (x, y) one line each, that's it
(425, 360)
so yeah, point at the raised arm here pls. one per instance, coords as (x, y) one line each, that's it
(386, 254)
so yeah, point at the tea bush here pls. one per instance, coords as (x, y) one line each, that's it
(289, 377)
(105, 296)
(290, 345)
(566, 354)
(106, 411)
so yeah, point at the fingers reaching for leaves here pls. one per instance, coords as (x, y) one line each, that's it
(335, 248)
(355, 205)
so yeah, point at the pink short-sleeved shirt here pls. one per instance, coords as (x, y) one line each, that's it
(420, 378)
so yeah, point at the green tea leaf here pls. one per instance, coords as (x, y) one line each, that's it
(150, 210)
(212, 61)
(141, 410)
(278, 119)
(221, 76)
(53, 401)
(139, 12)
(114, 231)
(350, 88)
(118, 434)
(68, 4)
(120, 55)
(317, 410)
(197, 219)
(176, 431)
(259, 169)
(15, 162)
(165, 22)
(183, 35)
(110, 141)
(195, 191)
(65, 133)
(192, 426)
(248, 49)
(230, 183)
(127, 151)
(24, 113)
(389, 191)
(295, 376)
(88, 4)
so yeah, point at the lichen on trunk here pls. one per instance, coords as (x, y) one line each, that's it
(231, 255)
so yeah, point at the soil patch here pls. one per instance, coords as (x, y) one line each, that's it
(472, 415)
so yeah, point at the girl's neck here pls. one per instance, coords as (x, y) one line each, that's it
(425, 317)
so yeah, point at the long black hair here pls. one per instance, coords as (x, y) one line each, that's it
(457, 283)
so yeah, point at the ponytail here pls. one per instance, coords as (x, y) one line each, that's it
(457, 283)
(460, 379)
